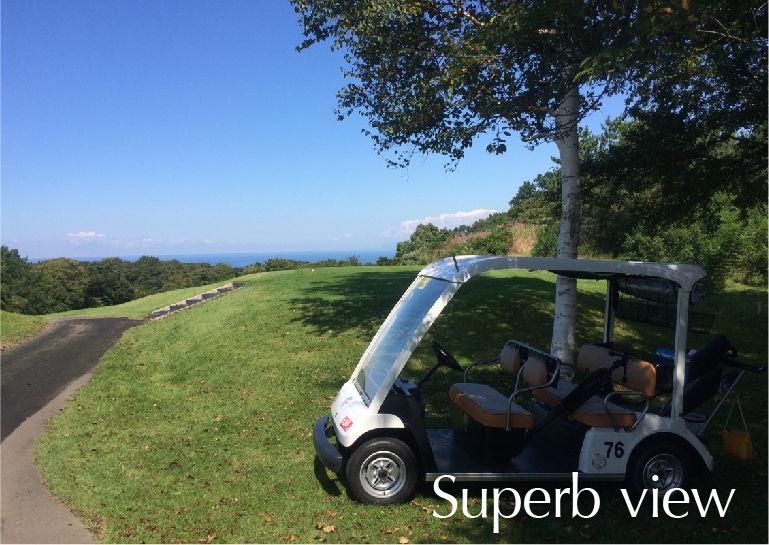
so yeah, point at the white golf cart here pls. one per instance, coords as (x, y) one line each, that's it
(601, 427)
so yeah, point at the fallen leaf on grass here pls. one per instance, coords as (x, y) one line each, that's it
(404, 539)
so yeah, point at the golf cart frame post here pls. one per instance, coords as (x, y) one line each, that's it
(682, 328)
(375, 417)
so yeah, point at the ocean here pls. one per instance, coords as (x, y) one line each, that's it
(246, 259)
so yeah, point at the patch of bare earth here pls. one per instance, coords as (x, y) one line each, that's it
(524, 239)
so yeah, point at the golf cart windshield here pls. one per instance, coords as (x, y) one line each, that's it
(401, 327)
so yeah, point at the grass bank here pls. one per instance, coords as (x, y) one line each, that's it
(197, 428)
(14, 328)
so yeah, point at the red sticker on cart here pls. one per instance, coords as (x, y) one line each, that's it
(346, 423)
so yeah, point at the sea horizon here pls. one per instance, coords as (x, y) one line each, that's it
(244, 259)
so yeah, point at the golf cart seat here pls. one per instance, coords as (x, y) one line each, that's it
(492, 409)
(597, 411)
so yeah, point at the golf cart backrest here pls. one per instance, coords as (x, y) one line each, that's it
(638, 375)
(534, 373)
(596, 409)
(510, 359)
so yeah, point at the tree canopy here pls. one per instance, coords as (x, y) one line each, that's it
(432, 75)
(435, 75)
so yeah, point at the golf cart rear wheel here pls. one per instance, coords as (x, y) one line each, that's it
(381, 472)
(660, 466)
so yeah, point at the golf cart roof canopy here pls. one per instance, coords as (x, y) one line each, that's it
(461, 269)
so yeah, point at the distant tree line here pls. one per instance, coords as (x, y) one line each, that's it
(57, 285)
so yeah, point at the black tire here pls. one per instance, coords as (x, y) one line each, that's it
(382, 472)
(663, 466)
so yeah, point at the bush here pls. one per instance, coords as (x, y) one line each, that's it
(714, 241)
(283, 264)
(495, 243)
(547, 241)
(752, 261)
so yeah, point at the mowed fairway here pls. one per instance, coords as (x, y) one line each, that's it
(197, 428)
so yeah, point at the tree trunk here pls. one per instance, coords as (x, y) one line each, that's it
(567, 140)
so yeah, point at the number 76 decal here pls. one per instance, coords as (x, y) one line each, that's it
(618, 447)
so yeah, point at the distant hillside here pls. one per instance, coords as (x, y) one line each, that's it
(495, 235)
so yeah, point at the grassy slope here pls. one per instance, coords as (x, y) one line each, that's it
(15, 328)
(198, 427)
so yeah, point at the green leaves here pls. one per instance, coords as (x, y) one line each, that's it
(434, 75)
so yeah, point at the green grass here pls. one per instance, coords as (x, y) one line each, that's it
(14, 328)
(198, 428)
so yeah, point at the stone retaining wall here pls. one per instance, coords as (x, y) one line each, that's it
(170, 309)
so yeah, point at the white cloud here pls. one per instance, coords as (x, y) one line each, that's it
(82, 235)
(446, 220)
(347, 235)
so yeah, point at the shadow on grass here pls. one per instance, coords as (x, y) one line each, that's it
(330, 487)
(482, 316)
(355, 302)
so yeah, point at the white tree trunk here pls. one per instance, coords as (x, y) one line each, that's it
(567, 139)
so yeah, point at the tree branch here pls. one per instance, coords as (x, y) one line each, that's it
(467, 15)
(456, 5)
(724, 34)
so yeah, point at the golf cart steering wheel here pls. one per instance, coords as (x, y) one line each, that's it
(444, 358)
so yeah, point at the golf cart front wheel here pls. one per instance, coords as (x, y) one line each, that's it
(382, 472)
(660, 466)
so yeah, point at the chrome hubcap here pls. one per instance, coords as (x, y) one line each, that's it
(383, 474)
(663, 472)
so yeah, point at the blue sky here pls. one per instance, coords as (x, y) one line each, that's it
(177, 127)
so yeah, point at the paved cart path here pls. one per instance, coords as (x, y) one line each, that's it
(37, 378)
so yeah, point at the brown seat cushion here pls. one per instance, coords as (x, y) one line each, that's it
(592, 412)
(488, 407)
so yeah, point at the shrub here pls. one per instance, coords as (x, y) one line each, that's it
(495, 243)
(752, 261)
(547, 241)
